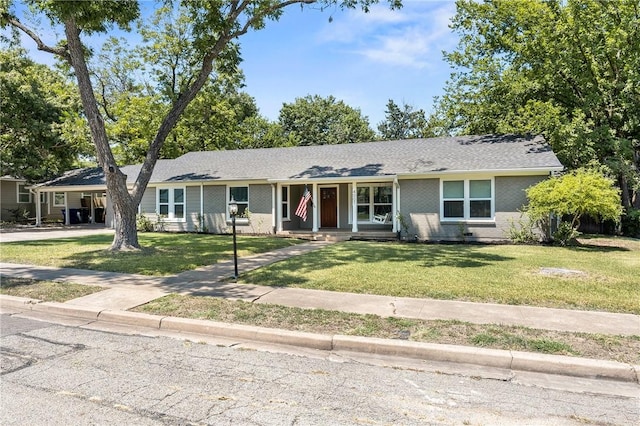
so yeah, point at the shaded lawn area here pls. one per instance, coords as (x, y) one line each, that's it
(162, 253)
(507, 274)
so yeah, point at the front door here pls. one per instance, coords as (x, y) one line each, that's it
(328, 207)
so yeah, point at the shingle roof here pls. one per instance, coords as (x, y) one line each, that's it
(371, 159)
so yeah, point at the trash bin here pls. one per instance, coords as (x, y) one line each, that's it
(74, 216)
(85, 214)
(99, 212)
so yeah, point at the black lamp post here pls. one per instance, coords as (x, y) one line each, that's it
(233, 211)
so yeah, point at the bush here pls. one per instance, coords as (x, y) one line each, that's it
(19, 215)
(523, 231)
(565, 234)
(630, 223)
(144, 224)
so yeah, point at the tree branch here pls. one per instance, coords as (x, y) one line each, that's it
(60, 51)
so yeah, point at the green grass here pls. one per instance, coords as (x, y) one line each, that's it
(618, 348)
(48, 291)
(162, 253)
(506, 274)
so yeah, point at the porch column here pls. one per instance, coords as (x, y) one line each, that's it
(67, 219)
(277, 217)
(38, 209)
(201, 207)
(316, 202)
(354, 207)
(93, 207)
(394, 205)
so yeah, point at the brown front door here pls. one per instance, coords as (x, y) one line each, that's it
(328, 207)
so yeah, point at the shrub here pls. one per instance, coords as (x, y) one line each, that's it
(565, 234)
(522, 231)
(144, 224)
(19, 215)
(631, 223)
(579, 193)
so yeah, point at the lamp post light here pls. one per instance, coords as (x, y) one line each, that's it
(233, 211)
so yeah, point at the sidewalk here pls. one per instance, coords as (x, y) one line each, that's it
(109, 308)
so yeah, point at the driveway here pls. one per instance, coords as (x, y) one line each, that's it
(31, 233)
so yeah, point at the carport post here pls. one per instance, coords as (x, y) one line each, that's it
(67, 219)
(38, 209)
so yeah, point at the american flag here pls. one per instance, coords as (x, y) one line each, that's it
(301, 211)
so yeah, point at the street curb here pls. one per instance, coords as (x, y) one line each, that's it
(571, 366)
(16, 302)
(247, 332)
(138, 319)
(427, 351)
(510, 360)
(63, 309)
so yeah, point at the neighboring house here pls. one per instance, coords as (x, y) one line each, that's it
(435, 189)
(17, 198)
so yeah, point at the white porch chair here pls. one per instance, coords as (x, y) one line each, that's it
(382, 218)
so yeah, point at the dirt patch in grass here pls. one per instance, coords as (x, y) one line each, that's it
(631, 244)
(48, 291)
(616, 348)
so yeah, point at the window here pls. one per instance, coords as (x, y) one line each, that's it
(373, 200)
(59, 199)
(43, 197)
(240, 194)
(467, 199)
(285, 202)
(171, 203)
(24, 196)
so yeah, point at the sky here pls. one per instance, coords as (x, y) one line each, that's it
(363, 59)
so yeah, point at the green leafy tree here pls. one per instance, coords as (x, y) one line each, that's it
(41, 130)
(567, 69)
(213, 120)
(211, 49)
(314, 120)
(404, 123)
(582, 192)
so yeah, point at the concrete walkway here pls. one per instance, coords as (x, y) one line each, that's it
(126, 291)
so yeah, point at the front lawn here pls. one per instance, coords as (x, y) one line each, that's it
(162, 253)
(606, 273)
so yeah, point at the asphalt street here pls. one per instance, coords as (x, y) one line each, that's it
(54, 374)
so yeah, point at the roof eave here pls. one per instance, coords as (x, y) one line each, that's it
(335, 179)
(535, 171)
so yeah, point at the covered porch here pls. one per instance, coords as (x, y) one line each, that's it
(73, 207)
(340, 208)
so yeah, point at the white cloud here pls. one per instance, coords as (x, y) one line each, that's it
(409, 37)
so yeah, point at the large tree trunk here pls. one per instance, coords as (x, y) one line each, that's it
(124, 205)
(126, 235)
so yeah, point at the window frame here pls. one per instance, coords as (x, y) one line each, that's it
(285, 204)
(371, 204)
(64, 198)
(467, 199)
(239, 218)
(24, 192)
(171, 203)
